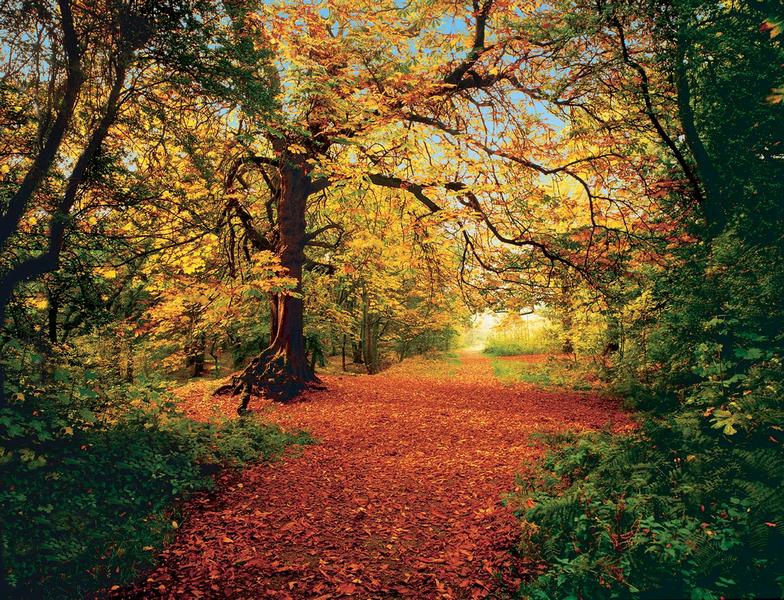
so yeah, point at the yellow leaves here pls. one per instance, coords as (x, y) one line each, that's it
(455, 41)
(39, 302)
(297, 149)
(192, 264)
(175, 525)
(107, 272)
(210, 241)
(5, 169)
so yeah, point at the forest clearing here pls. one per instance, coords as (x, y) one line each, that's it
(392, 299)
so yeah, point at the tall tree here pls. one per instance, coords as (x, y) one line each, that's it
(433, 102)
(92, 62)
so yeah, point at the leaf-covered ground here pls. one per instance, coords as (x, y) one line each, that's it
(401, 497)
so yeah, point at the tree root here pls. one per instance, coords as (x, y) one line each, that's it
(269, 375)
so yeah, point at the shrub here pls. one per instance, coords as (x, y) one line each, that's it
(678, 517)
(91, 482)
(690, 506)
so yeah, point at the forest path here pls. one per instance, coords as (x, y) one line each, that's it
(401, 497)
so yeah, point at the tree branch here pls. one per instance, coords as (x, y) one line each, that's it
(413, 188)
(43, 162)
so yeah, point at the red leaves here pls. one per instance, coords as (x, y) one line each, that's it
(346, 589)
(400, 498)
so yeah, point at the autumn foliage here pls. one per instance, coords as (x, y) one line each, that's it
(210, 205)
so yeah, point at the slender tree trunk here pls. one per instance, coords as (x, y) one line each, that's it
(116, 351)
(712, 205)
(197, 352)
(54, 308)
(50, 260)
(129, 370)
(369, 337)
(17, 204)
(356, 351)
(215, 357)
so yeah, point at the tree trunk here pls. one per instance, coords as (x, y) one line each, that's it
(52, 313)
(196, 358)
(214, 355)
(356, 351)
(712, 207)
(281, 371)
(129, 370)
(369, 337)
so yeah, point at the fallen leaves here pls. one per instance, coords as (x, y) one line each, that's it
(401, 497)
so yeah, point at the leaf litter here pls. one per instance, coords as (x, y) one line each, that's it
(400, 497)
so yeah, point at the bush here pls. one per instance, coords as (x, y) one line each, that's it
(663, 513)
(90, 491)
(552, 372)
(690, 506)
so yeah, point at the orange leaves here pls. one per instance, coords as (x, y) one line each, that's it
(772, 27)
(346, 589)
(401, 497)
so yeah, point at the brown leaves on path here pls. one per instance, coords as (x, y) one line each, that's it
(401, 497)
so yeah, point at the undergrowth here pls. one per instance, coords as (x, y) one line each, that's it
(689, 506)
(499, 346)
(552, 372)
(91, 482)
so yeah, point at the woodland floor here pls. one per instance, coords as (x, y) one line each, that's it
(400, 497)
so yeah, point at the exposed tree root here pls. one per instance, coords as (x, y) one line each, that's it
(270, 375)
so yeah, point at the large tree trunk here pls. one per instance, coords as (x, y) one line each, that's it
(281, 371)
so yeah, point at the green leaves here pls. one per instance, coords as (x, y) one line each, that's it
(114, 484)
(750, 353)
(726, 421)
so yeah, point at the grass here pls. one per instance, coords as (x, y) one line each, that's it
(553, 372)
(519, 345)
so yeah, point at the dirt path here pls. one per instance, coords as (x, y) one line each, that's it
(400, 498)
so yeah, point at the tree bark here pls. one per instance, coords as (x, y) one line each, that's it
(52, 313)
(356, 351)
(369, 337)
(281, 371)
(9, 221)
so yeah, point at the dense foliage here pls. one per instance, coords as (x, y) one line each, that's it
(689, 506)
(91, 471)
(206, 187)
